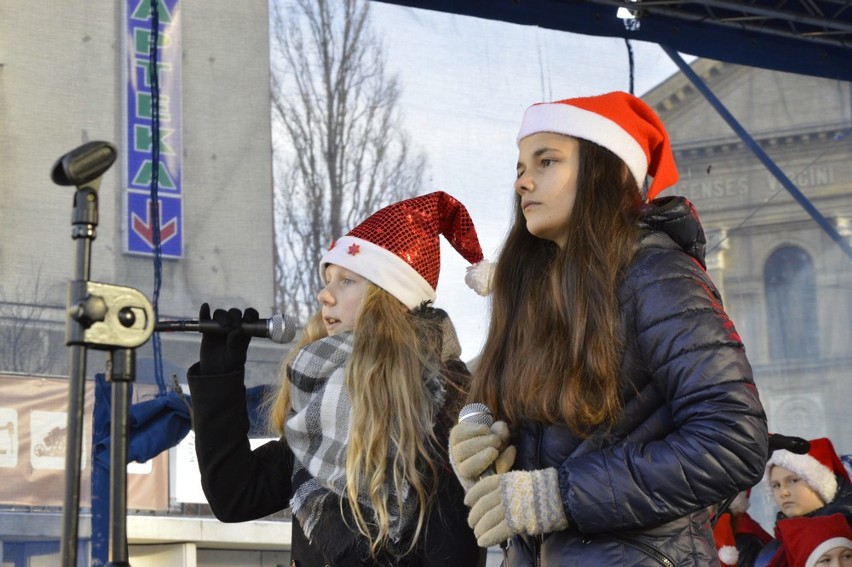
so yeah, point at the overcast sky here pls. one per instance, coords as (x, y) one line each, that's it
(465, 85)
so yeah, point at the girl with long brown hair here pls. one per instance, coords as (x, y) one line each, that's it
(364, 407)
(612, 368)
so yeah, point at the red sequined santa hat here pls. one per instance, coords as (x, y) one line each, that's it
(819, 467)
(618, 121)
(398, 249)
(806, 539)
(726, 545)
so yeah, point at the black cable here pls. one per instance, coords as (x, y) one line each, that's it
(630, 61)
(154, 75)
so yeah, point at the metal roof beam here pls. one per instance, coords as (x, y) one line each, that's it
(785, 15)
(659, 8)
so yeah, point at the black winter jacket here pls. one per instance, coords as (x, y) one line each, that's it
(692, 432)
(241, 485)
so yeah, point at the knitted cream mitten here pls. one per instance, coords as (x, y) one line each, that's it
(519, 502)
(474, 447)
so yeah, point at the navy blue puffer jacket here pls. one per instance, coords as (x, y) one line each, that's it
(692, 433)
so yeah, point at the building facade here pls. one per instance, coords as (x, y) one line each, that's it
(75, 72)
(785, 282)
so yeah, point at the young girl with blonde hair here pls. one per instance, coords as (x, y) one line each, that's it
(364, 408)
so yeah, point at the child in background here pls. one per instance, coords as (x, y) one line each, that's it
(811, 484)
(821, 541)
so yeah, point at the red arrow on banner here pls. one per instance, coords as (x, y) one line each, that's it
(145, 229)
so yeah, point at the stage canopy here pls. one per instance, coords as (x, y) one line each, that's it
(811, 37)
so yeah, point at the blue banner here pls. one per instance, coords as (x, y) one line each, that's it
(139, 165)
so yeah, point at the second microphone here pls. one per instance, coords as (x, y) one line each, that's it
(278, 328)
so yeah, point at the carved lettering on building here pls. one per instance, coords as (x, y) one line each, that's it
(715, 188)
(726, 190)
(814, 176)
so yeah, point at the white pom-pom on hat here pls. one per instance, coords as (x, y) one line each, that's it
(478, 277)
(729, 555)
(726, 546)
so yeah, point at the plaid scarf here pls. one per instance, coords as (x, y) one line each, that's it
(318, 432)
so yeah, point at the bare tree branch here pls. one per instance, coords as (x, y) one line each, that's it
(339, 150)
(24, 342)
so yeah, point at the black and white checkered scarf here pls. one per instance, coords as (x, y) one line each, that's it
(318, 433)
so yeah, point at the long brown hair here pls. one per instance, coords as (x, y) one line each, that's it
(553, 347)
(392, 438)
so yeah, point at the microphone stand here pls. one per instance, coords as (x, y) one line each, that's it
(105, 317)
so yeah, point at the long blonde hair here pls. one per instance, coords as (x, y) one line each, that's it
(392, 438)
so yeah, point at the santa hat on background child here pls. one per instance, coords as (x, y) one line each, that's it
(806, 539)
(618, 121)
(397, 248)
(726, 545)
(819, 467)
(742, 522)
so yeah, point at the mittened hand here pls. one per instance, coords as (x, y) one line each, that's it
(520, 502)
(474, 447)
(224, 351)
(487, 514)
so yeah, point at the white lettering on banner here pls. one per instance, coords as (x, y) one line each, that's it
(8, 437)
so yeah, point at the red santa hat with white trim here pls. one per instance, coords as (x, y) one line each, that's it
(819, 467)
(806, 539)
(726, 545)
(397, 248)
(618, 121)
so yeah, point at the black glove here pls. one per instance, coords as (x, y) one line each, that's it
(223, 353)
(790, 443)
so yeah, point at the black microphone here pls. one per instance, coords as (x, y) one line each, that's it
(478, 413)
(278, 328)
(790, 443)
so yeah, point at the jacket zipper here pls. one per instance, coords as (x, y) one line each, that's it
(648, 550)
(537, 539)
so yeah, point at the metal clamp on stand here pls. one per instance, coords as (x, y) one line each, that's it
(108, 316)
(104, 317)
